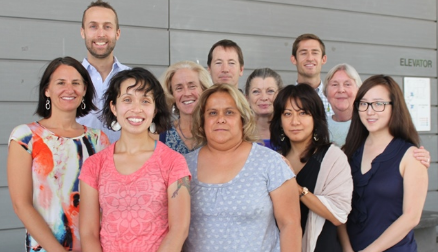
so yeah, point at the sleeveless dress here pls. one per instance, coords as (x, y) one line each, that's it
(307, 177)
(378, 197)
(56, 164)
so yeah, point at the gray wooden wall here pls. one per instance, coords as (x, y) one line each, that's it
(370, 35)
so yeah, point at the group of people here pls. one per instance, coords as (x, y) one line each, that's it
(192, 163)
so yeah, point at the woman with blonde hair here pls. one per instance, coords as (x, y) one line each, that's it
(242, 193)
(183, 83)
(261, 88)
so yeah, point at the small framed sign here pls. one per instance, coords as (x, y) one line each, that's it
(417, 97)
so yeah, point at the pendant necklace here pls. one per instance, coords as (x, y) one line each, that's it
(182, 133)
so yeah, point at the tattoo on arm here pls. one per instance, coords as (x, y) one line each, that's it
(185, 181)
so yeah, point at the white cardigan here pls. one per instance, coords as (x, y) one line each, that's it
(334, 188)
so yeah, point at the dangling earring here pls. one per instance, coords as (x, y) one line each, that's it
(115, 126)
(152, 128)
(315, 137)
(48, 103)
(282, 137)
(83, 105)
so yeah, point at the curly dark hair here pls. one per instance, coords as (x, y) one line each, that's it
(146, 82)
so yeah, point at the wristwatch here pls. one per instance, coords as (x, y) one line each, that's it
(304, 192)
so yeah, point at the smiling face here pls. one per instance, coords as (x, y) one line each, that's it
(376, 122)
(186, 90)
(100, 32)
(262, 93)
(222, 120)
(134, 109)
(225, 66)
(341, 92)
(65, 90)
(309, 59)
(296, 123)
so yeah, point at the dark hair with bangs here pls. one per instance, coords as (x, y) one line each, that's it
(45, 81)
(400, 124)
(144, 81)
(310, 102)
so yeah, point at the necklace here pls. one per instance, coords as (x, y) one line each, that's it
(182, 133)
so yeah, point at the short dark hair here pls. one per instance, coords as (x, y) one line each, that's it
(263, 73)
(311, 104)
(307, 36)
(226, 43)
(400, 124)
(145, 81)
(45, 81)
(102, 4)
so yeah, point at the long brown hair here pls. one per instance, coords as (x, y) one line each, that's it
(400, 124)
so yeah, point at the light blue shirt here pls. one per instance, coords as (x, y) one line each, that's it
(338, 131)
(237, 215)
(91, 120)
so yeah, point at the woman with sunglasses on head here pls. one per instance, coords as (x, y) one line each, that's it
(390, 185)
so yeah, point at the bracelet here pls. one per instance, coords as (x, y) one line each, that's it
(304, 192)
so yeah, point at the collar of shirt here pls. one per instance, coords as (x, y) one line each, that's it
(116, 64)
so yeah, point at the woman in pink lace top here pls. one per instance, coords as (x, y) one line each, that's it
(135, 193)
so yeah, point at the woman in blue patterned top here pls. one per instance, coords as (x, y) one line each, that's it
(183, 83)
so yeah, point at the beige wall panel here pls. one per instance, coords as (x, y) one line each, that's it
(14, 114)
(275, 53)
(3, 162)
(151, 13)
(12, 240)
(21, 79)
(46, 40)
(421, 9)
(8, 218)
(260, 18)
(433, 177)
(431, 201)
(429, 142)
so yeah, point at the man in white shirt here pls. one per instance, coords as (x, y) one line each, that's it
(100, 31)
(225, 62)
(308, 55)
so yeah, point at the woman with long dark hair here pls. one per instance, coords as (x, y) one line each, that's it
(390, 185)
(299, 131)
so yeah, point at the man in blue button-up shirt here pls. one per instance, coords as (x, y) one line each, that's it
(100, 30)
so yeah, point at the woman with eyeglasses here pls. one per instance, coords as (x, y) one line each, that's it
(390, 185)
(342, 84)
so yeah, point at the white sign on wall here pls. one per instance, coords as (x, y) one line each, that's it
(417, 97)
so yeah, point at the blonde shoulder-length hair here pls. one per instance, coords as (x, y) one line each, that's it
(246, 114)
(166, 79)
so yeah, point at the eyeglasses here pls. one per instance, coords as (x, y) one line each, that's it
(376, 106)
